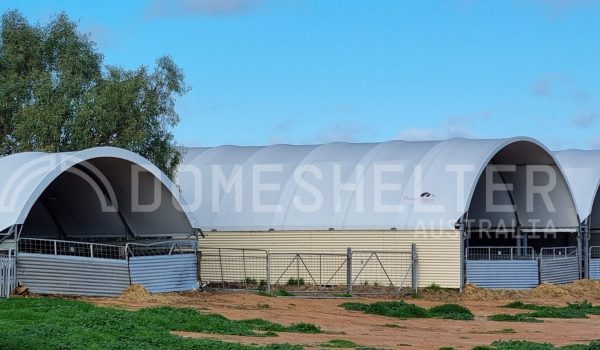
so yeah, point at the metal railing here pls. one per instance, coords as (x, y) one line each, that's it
(500, 253)
(71, 248)
(595, 252)
(8, 274)
(366, 271)
(171, 247)
(234, 268)
(387, 268)
(558, 252)
(299, 270)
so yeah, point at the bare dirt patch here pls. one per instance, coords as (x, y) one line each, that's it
(390, 333)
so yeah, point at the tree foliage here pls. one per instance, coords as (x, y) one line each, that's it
(57, 95)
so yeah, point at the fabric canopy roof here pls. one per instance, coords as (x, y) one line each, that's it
(358, 186)
(77, 184)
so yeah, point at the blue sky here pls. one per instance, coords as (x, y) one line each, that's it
(301, 71)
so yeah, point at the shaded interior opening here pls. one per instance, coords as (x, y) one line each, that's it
(594, 221)
(521, 200)
(106, 200)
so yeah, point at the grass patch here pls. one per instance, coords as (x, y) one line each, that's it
(499, 331)
(342, 295)
(527, 345)
(296, 281)
(434, 287)
(339, 343)
(514, 318)
(572, 310)
(277, 293)
(51, 323)
(451, 312)
(403, 310)
(283, 293)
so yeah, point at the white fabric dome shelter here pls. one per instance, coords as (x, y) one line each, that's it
(582, 170)
(92, 222)
(381, 196)
(89, 194)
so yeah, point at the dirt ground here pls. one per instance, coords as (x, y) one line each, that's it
(386, 332)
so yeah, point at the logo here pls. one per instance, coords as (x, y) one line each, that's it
(423, 198)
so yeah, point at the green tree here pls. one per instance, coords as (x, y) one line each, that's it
(57, 95)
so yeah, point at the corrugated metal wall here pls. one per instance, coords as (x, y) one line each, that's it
(165, 273)
(595, 269)
(512, 274)
(559, 270)
(55, 274)
(438, 252)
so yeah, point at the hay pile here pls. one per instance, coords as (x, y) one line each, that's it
(137, 293)
(474, 293)
(572, 292)
(578, 290)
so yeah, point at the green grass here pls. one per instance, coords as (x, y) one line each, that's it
(514, 318)
(527, 345)
(277, 293)
(296, 281)
(434, 287)
(340, 343)
(342, 295)
(403, 310)
(283, 293)
(574, 310)
(451, 311)
(50, 323)
(498, 331)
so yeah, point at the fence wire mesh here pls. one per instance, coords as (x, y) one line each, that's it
(171, 247)
(233, 268)
(500, 253)
(370, 271)
(558, 252)
(71, 248)
(381, 269)
(308, 271)
(595, 252)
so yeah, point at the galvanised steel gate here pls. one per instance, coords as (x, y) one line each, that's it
(594, 263)
(559, 265)
(502, 267)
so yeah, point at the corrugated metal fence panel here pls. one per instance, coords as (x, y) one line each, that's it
(438, 251)
(7, 275)
(559, 270)
(510, 274)
(165, 273)
(56, 274)
(595, 269)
